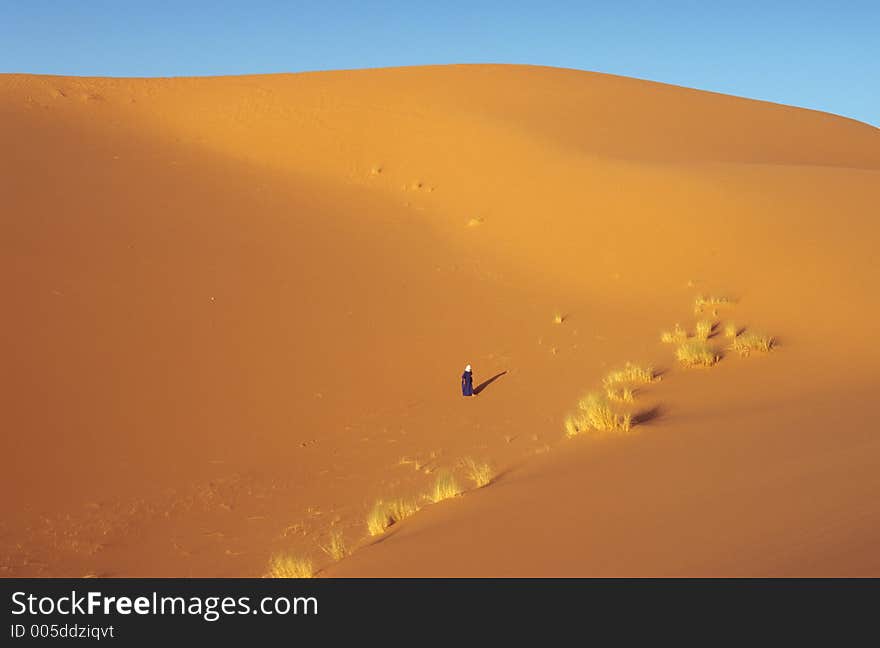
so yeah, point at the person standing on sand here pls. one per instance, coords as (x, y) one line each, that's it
(467, 382)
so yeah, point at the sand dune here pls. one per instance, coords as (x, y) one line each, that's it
(236, 310)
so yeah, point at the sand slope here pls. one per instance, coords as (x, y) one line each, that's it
(236, 310)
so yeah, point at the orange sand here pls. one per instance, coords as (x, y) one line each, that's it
(236, 311)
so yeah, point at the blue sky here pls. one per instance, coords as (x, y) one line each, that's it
(823, 55)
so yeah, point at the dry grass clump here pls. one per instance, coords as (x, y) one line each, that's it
(622, 395)
(445, 487)
(377, 519)
(675, 336)
(704, 329)
(400, 509)
(631, 373)
(730, 330)
(598, 414)
(384, 514)
(748, 342)
(702, 301)
(284, 566)
(558, 318)
(696, 353)
(335, 547)
(595, 413)
(478, 472)
(572, 425)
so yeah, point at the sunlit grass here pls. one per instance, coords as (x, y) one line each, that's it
(730, 330)
(400, 509)
(377, 519)
(748, 342)
(286, 566)
(480, 473)
(574, 424)
(596, 414)
(335, 547)
(384, 514)
(630, 373)
(621, 395)
(704, 329)
(696, 353)
(702, 301)
(675, 336)
(445, 487)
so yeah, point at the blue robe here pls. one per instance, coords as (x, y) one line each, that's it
(467, 384)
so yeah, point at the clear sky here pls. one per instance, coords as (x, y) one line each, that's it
(823, 55)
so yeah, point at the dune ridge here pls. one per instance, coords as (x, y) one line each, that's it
(237, 309)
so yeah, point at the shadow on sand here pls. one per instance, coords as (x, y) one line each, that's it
(646, 416)
(486, 383)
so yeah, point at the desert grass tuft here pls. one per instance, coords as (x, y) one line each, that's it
(730, 330)
(285, 566)
(704, 329)
(400, 509)
(558, 318)
(598, 413)
(622, 395)
(595, 413)
(377, 519)
(335, 547)
(675, 336)
(574, 424)
(702, 301)
(384, 514)
(478, 472)
(630, 373)
(696, 353)
(748, 342)
(445, 487)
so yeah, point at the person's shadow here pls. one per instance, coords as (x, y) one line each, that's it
(486, 383)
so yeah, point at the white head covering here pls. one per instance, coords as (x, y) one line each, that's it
(468, 368)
